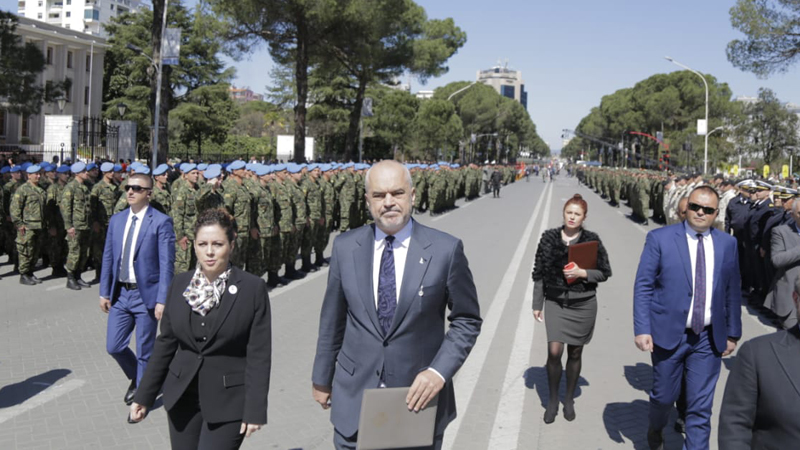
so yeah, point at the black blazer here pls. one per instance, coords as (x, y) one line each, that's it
(233, 366)
(759, 410)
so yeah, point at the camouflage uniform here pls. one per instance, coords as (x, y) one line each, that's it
(313, 200)
(238, 202)
(292, 244)
(184, 217)
(347, 197)
(161, 199)
(9, 232)
(27, 210)
(324, 232)
(279, 212)
(76, 209)
(103, 199)
(259, 255)
(55, 244)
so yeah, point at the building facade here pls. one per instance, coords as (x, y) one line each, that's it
(87, 16)
(244, 95)
(507, 82)
(68, 54)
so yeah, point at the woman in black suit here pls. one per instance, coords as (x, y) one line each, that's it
(567, 294)
(214, 352)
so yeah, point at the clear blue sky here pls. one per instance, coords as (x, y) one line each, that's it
(571, 53)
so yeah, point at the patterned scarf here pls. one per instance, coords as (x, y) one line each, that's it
(203, 295)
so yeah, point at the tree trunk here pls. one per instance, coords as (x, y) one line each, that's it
(301, 77)
(166, 97)
(351, 142)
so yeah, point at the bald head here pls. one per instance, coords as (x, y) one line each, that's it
(384, 168)
(390, 195)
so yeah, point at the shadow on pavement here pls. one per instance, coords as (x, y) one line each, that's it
(18, 393)
(536, 378)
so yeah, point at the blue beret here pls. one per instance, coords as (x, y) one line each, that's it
(142, 169)
(63, 169)
(106, 167)
(202, 166)
(236, 165)
(250, 166)
(5, 169)
(293, 168)
(325, 167)
(16, 169)
(33, 169)
(262, 170)
(78, 167)
(91, 166)
(161, 169)
(25, 165)
(117, 168)
(279, 167)
(188, 167)
(213, 171)
(455, 166)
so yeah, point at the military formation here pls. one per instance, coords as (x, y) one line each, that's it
(283, 212)
(748, 209)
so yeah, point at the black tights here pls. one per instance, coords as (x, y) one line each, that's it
(555, 351)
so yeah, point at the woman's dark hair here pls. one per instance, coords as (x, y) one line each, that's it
(219, 217)
(577, 200)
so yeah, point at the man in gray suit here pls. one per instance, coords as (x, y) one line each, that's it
(759, 409)
(382, 318)
(785, 256)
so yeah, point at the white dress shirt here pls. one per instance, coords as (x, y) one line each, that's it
(139, 219)
(400, 249)
(708, 247)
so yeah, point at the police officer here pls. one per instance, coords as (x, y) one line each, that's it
(76, 210)
(27, 213)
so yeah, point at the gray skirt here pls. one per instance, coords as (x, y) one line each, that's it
(571, 324)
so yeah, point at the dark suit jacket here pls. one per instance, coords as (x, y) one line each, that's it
(153, 257)
(352, 349)
(785, 257)
(759, 409)
(663, 290)
(233, 366)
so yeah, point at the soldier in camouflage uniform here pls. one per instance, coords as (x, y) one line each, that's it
(260, 248)
(76, 209)
(255, 255)
(211, 189)
(316, 217)
(57, 234)
(287, 224)
(292, 244)
(281, 223)
(161, 198)
(328, 199)
(239, 204)
(105, 194)
(347, 196)
(9, 232)
(27, 214)
(184, 216)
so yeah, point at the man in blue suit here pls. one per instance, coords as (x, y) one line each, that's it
(138, 263)
(382, 322)
(687, 313)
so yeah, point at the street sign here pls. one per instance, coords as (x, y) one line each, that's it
(702, 127)
(785, 171)
(171, 47)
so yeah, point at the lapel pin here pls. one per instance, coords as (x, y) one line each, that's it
(233, 290)
(422, 260)
(420, 292)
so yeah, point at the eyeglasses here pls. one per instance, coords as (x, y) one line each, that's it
(706, 209)
(134, 188)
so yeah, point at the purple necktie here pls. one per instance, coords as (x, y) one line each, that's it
(387, 286)
(699, 310)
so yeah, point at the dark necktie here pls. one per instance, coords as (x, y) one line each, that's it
(387, 286)
(124, 274)
(699, 310)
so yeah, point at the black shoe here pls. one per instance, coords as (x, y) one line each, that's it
(80, 281)
(96, 276)
(680, 425)
(655, 439)
(71, 283)
(27, 280)
(58, 272)
(35, 278)
(569, 411)
(293, 274)
(550, 413)
(272, 280)
(130, 393)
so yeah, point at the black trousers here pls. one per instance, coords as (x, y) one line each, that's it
(188, 430)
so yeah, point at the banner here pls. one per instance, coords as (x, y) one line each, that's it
(171, 47)
(766, 170)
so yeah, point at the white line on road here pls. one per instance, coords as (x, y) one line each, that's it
(471, 370)
(53, 288)
(508, 419)
(40, 399)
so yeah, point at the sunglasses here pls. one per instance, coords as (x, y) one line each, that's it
(706, 209)
(134, 188)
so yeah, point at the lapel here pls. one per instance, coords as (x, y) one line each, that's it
(418, 259)
(146, 221)
(185, 313)
(719, 257)
(683, 250)
(226, 302)
(787, 353)
(362, 263)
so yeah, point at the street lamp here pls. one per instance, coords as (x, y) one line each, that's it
(121, 108)
(705, 150)
(461, 90)
(62, 102)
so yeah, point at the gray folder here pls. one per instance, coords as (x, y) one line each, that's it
(386, 422)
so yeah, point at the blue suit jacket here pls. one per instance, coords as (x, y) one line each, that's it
(153, 258)
(662, 294)
(352, 349)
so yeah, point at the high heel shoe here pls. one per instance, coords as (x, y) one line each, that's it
(569, 411)
(551, 412)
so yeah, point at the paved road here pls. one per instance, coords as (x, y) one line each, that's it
(60, 390)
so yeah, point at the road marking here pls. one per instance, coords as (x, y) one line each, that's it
(456, 209)
(508, 419)
(53, 288)
(40, 399)
(471, 370)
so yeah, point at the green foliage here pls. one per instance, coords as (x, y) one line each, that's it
(769, 128)
(438, 130)
(393, 121)
(206, 115)
(20, 67)
(772, 35)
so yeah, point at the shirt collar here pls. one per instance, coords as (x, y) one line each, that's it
(692, 233)
(139, 215)
(400, 238)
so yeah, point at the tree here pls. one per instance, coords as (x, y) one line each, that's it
(438, 129)
(772, 35)
(394, 117)
(769, 129)
(207, 114)
(20, 67)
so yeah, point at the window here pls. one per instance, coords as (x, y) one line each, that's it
(2, 122)
(39, 16)
(67, 26)
(112, 7)
(88, 62)
(69, 14)
(26, 129)
(507, 91)
(69, 2)
(86, 95)
(68, 94)
(40, 3)
(91, 14)
(69, 60)
(49, 55)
